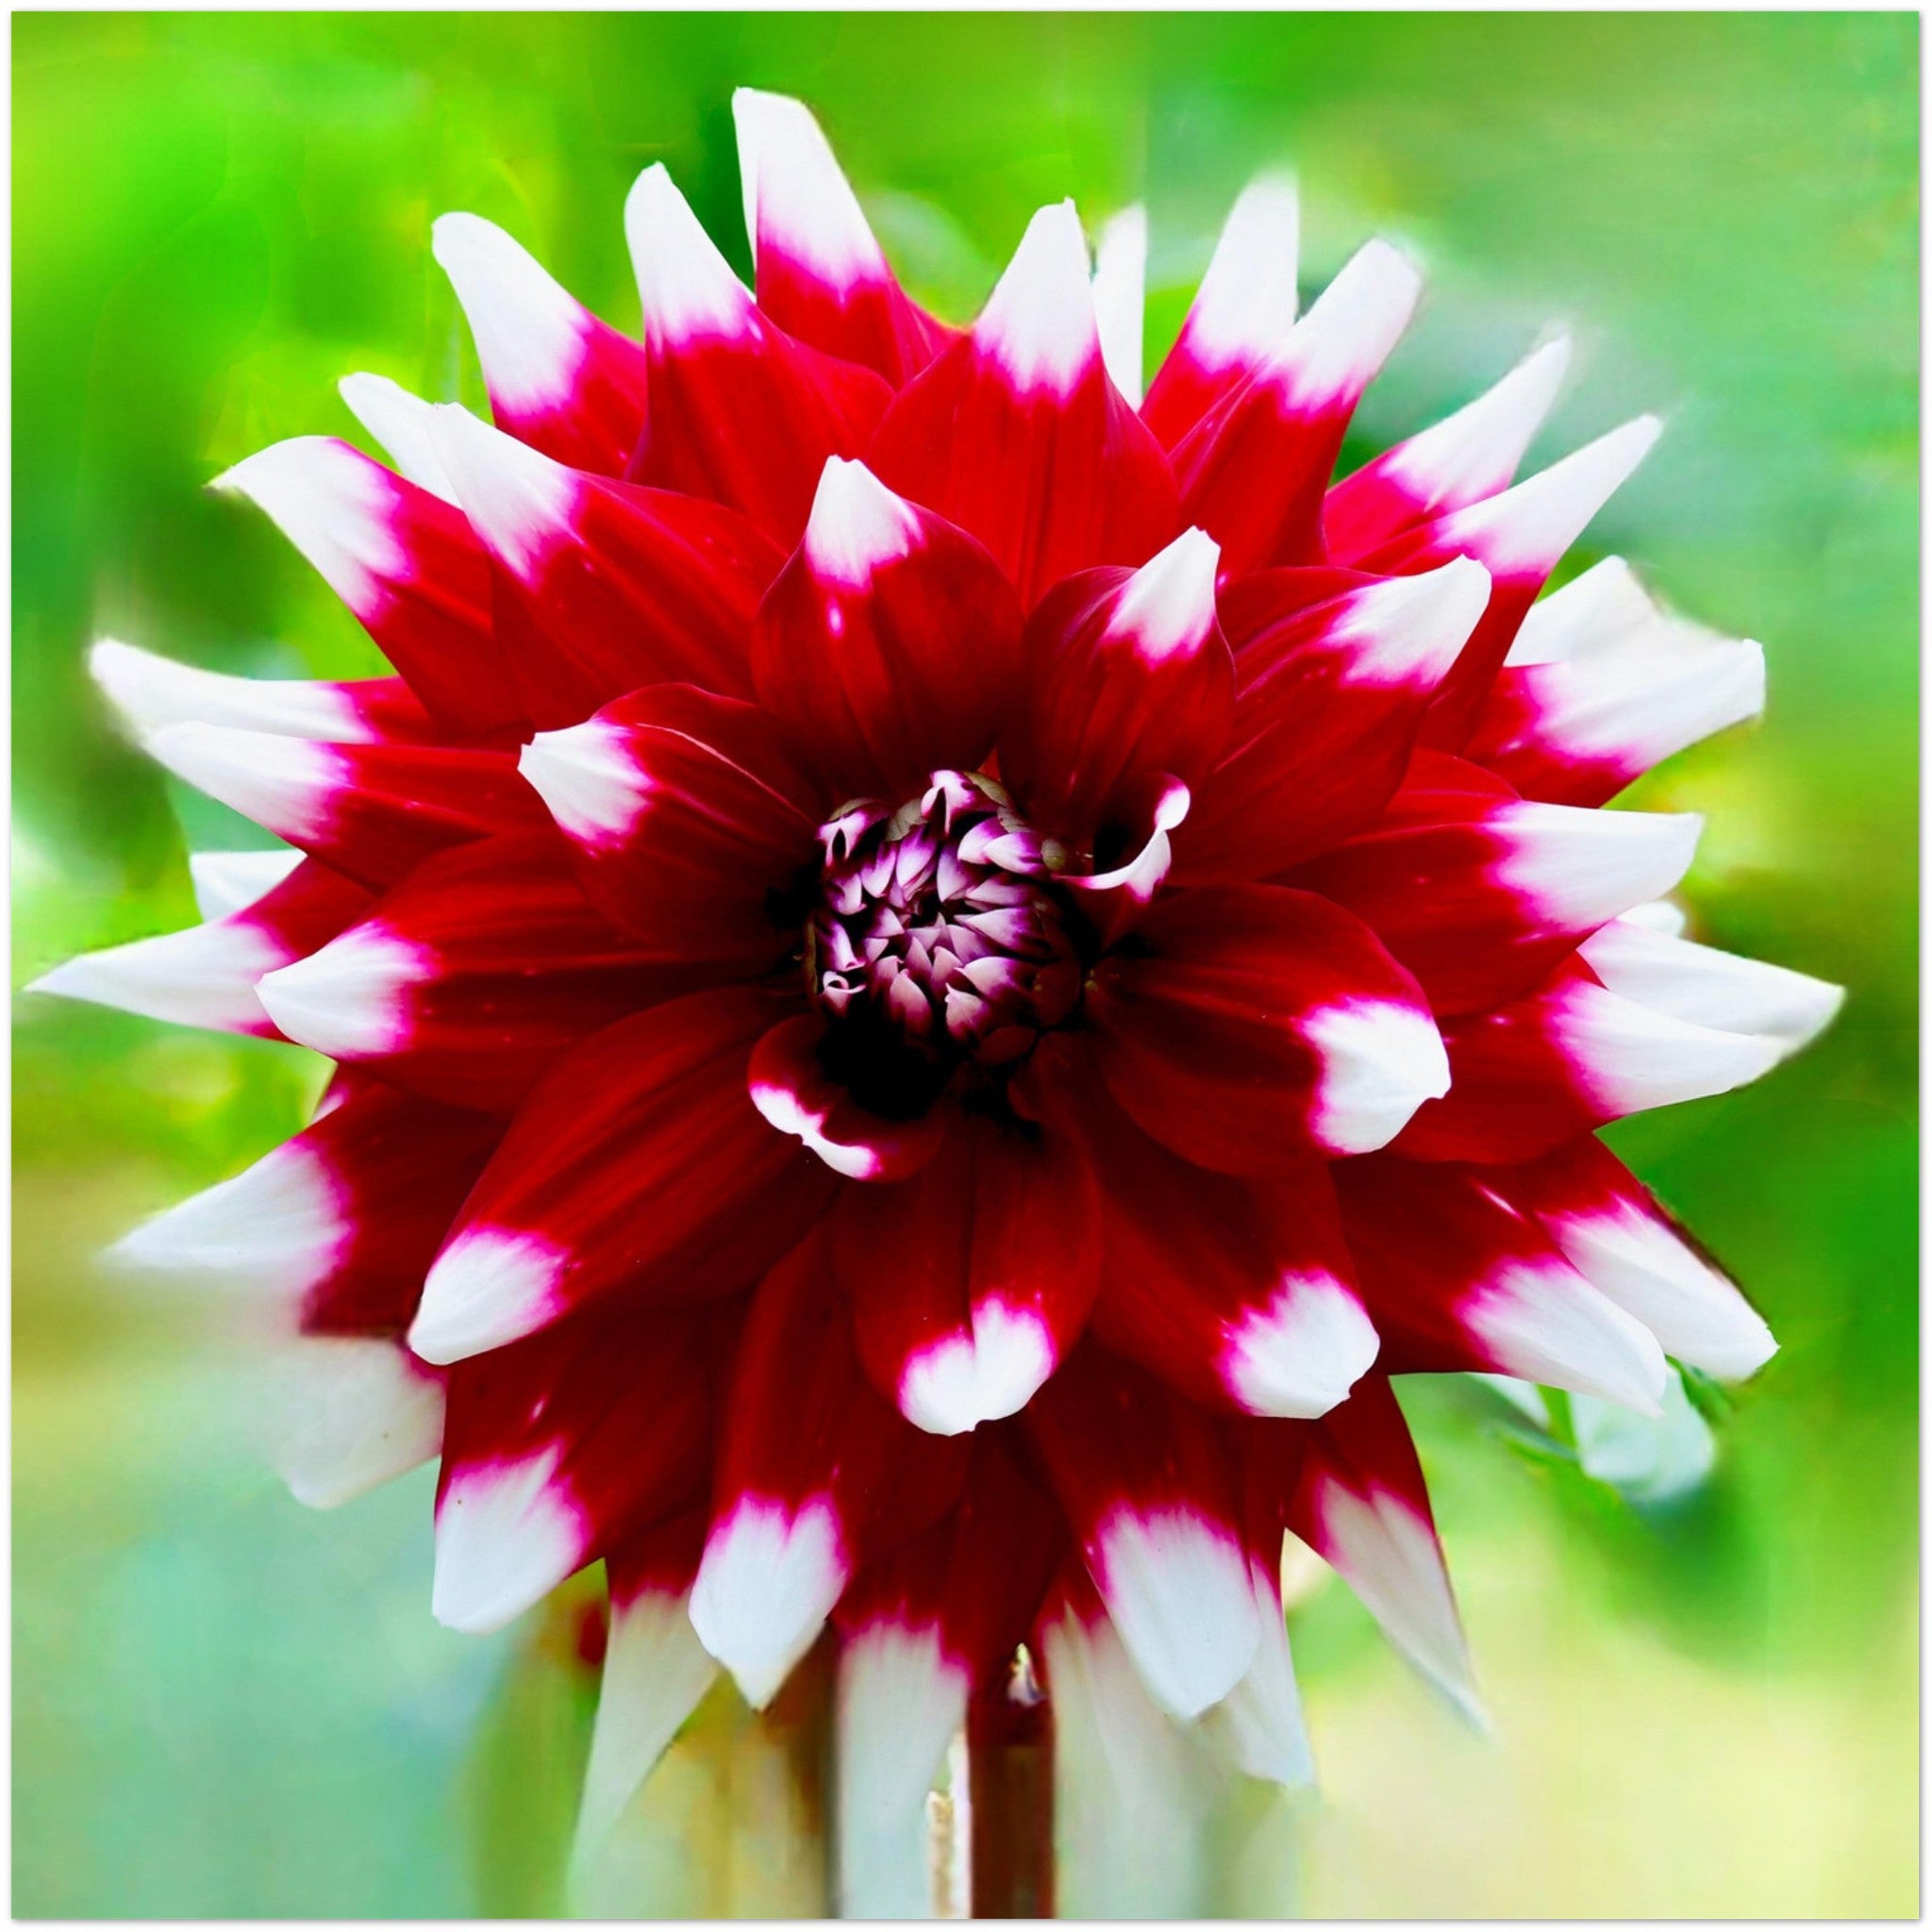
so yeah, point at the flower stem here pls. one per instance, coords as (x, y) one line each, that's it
(1010, 1760)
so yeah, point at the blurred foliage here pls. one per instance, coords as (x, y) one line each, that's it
(226, 1707)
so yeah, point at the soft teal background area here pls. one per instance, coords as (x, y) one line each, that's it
(226, 1705)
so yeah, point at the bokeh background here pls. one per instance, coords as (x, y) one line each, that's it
(224, 1704)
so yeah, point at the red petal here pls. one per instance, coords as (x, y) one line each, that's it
(371, 811)
(816, 1474)
(972, 1280)
(1017, 433)
(889, 645)
(1569, 1058)
(605, 586)
(1253, 470)
(793, 1088)
(1129, 674)
(1240, 316)
(1148, 1489)
(638, 1163)
(337, 1224)
(1481, 897)
(1330, 698)
(1458, 1279)
(739, 412)
(687, 813)
(1252, 1025)
(403, 561)
(559, 1447)
(821, 275)
(559, 379)
(468, 979)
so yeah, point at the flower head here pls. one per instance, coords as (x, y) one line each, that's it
(939, 972)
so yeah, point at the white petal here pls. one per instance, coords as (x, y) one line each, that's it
(505, 1535)
(1650, 1460)
(400, 422)
(283, 784)
(276, 1227)
(1390, 1558)
(587, 780)
(1641, 702)
(1039, 324)
(1167, 605)
(1120, 299)
(1579, 868)
(1632, 1057)
(1380, 1062)
(1303, 1353)
(962, 1380)
(1247, 299)
(349, 1414)
(900, 1702)
(1334, 351)
(793, 183)
(487, 1286)
(346, 999)
(1640, 1264)
(150, 691)
(204, 975)
(768, 1581)
(529, 331)
(1410, 630)
(656, 1673)
(1526, 530)
(1712, 987)
(1548, 1324)
(1176, 1587)
(687, 287)
(1132, 1789)
(1259, 1723)
(518, 499)
(229, 882)
(333, 505)
(1474, 453)
(856, 524)
(1602, 607)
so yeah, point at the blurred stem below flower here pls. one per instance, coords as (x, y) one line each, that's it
(1011, 1773)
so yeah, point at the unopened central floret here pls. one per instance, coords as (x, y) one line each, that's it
(940, 918)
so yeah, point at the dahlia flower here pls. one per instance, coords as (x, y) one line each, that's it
(939, 970)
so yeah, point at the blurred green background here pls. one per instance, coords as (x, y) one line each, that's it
(224, 1704)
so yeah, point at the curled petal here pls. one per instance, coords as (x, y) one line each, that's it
(793, 1088)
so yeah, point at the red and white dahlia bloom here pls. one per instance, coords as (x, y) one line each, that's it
(939, 970)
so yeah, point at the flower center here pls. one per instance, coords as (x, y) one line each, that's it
(940, 920)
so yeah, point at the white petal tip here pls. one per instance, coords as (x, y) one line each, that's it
(506, 1536)
(856, 524)
(1301, 1354)
(955, 1385)
(768, 1581)
(687, 289)
(1039, 324)
(347, 999)
(487, 1286)
(1167, 606)
(1381, 1060)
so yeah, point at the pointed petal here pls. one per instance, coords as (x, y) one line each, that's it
(1130, 677)
(615, 585)
(631, 1164)
(1259, 1723)
(227, 882)
(559, 379)
(1017, 433)
(1254, 469)
(1456, 1279)
(1241, 314)
(350, 1413)
(1255, 1024)
(1460, 460)
(1328, 702)
(889, 645)
(399, 421)
(739, 412)
(821, 274)
(403, 561)
(1616, 1236)
(656, 1673)
(1603, 606)
(1120, 298)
